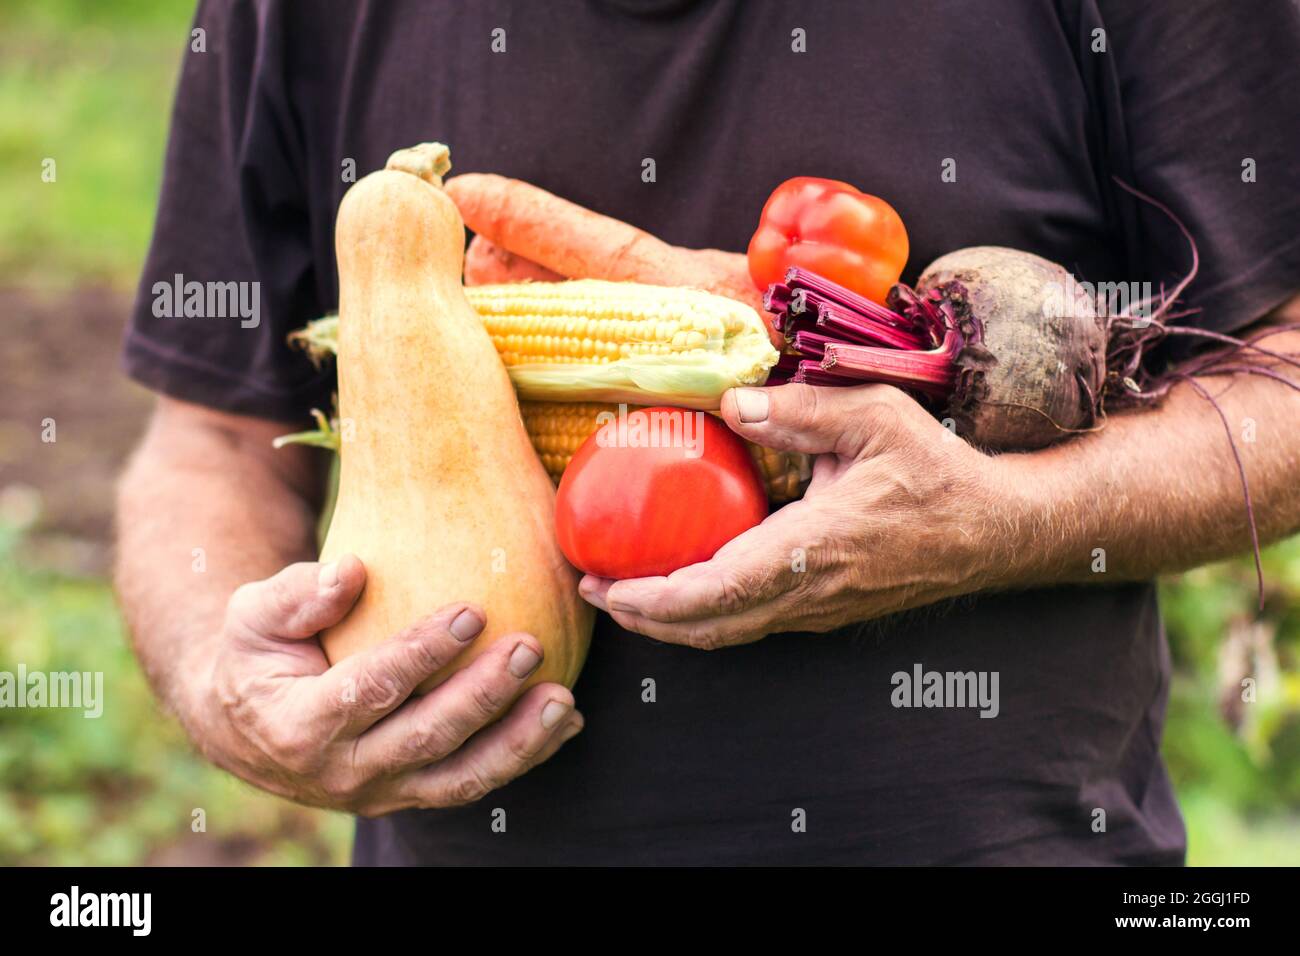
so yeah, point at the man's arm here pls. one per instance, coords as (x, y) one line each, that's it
(1160, 490)
(205, 505)
(238, 662)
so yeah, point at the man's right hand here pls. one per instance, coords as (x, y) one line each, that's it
(266, 705)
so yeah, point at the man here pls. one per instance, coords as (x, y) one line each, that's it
(982, 124)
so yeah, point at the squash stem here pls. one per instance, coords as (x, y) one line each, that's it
(429, 161)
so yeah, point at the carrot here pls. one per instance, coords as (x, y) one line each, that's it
(488, 264)
(576, 242)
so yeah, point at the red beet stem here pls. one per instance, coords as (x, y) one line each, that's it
(933, 372)
(842, 338)
(811, 282)
(849, 326)
(786, 363)
(776, 298)
(811, 344)
(812, 373)
(843, 319)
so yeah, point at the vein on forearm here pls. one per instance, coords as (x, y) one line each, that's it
(1158, 490)
(200, 486)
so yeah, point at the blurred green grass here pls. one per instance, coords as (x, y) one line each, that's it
(120, 788)
(89, 84)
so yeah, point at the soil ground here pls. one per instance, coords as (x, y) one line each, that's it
(75, 380)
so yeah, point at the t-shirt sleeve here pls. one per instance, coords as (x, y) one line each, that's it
(230, 271)
(1210, 120)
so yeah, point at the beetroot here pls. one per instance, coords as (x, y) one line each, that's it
(1004, 343)
(1042, 366)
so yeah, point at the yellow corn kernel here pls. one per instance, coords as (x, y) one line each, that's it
(785, 473)
(558, 322)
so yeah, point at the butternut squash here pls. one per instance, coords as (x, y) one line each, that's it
(440, 493)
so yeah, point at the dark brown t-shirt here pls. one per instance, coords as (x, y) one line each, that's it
(789, 749)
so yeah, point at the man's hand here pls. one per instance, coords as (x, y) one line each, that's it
(900, 512)
(265, 704)
(207, 505)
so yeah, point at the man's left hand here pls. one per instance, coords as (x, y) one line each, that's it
(900, 513)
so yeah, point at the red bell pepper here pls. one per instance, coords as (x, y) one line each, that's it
(830, 228)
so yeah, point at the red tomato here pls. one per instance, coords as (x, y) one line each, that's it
(626, 509)
(830, 228)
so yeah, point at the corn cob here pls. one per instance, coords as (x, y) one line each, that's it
(589, 340)
(557, 429)
(596, 322)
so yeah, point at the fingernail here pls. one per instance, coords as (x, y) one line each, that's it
(553, 713)
(620, 606)
(466, 626)
(523, 660)
(752, 405)
(329, 575)
(571, 731)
